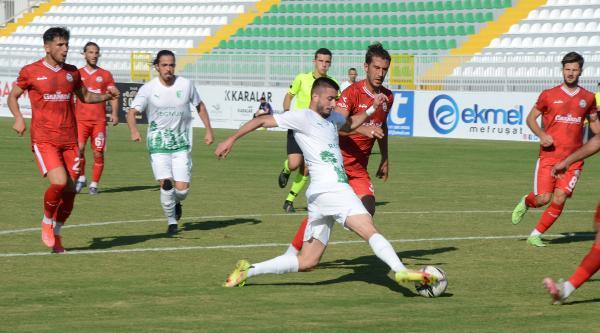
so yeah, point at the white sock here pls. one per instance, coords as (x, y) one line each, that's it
(180, 195)
(568, 289)
(81, 179)
(57, 227)
(278, 265)
(47, 220)
(384, 251)
(93, 184)
(167, 201)
(535, 232)
(291, 251)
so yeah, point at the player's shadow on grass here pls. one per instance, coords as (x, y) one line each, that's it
(371, 270)
(381, 203)
(99, 243)
(572, 237)
(210, 225)
(129, 188)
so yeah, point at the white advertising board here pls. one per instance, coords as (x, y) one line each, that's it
(465, 115)
(6, 84)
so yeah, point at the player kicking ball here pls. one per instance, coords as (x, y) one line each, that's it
(330, 198)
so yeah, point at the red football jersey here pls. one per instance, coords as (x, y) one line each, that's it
(563, 117)
(51, 95)
(356, 148)
(96, 81)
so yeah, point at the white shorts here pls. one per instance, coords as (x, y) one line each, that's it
(177, 166)
(326, 208)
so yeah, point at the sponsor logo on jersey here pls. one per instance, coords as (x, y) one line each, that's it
(99, 79)
(363, 106)
(582, 103)
(57, 97)
(95, 91)
(69, 77)
(568, 119)
(558, 102)
(40, 78)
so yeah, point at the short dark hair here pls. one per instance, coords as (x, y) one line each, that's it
(377, 50)
(88, 44)
(324, 51)
(324, 82)
(162, 53)
(572, 57)
(55, 32)
(351, 69)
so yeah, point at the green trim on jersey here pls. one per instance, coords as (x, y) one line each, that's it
(300, 89)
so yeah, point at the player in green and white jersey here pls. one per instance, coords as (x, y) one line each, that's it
(166, 100)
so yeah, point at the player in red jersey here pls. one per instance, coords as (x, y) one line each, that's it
(91, 118)
(51, 84)
(591, 262)
(564, 110)
(356, 147)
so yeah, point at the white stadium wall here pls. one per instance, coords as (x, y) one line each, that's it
(439, 114)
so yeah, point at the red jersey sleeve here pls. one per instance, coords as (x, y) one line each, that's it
(110, 82)
(593, 107)
(23, 81)
(542, 102)
(347, 100)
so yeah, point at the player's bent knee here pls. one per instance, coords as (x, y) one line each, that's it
(166, 184)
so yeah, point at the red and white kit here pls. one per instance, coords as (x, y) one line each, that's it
(356, 148)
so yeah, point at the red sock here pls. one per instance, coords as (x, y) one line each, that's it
(82, 166)
(530, 200)
(65, 207)
(589, 265)
(549, 216)
(97, 169)
(299, 238)
(52, 198)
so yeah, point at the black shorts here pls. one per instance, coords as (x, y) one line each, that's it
(292, 145)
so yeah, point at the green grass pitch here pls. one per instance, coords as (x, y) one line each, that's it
(447, 203)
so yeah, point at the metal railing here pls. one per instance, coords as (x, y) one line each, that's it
(11, 9)
(522, 73)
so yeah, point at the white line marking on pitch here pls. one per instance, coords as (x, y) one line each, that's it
(247, 246)
(15, 231)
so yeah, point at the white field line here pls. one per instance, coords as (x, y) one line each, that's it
(247, 246)
(95, 224)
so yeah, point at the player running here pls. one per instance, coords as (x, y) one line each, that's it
(330, 198)
(563, 109)
(591, 262)
(91, 118)
(166, 100)
(356, 146)
(51, 83)
(300, 90)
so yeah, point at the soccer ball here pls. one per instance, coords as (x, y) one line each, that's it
(436, 289)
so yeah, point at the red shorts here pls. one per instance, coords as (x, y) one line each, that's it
(49, 157)
(360, 181)
(545, 183)
(97, 132)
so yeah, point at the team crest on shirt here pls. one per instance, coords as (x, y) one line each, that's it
(99, 79)
(582, 104)
(179, 93)
(69, 77)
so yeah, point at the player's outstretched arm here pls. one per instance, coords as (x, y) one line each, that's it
(589, 149)
(224, 147)
(545, 139)
(131, 123)
(203, 114)
(13, 105)
(358, 119)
